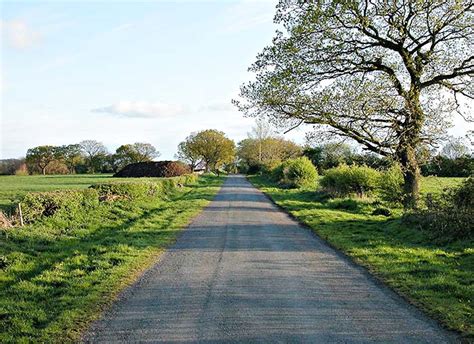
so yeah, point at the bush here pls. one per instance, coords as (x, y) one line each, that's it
(382, 211)
(345, 180)
(68, 203)
(45, 204)
(296, 173)
(448, 216)
(391, 184)
(128, 190)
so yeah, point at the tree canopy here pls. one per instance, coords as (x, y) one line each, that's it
(386, 74)
(211, 146)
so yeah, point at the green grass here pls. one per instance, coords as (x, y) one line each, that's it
(436, 185)
(55, 279)
(12, 188)
(439, 278)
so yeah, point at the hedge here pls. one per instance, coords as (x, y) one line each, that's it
(37, 205)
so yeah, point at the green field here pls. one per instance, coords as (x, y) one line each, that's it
(12, 188)
(438, 277)
(58, 274)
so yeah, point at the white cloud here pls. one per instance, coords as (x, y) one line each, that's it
(18, 34)
(141, 109)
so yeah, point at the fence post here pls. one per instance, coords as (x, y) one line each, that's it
(20, 213)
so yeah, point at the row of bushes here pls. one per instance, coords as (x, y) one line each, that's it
(36, 205)
(343, 180)
(448, 216)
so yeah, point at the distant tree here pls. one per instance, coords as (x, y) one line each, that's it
(330, 155)
(188, 153)
(94, 153)
(71, 156)
(257, 153)
(455, 148)
(10, 166)
(214, 148)
(261, 131)
(136, 152)
(40, 157)
(385, 74)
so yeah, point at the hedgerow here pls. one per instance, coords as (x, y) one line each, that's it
(69, 203)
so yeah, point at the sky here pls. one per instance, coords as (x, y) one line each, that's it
(127, 71)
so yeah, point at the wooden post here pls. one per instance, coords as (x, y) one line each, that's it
(21, 214)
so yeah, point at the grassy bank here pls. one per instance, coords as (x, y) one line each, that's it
(55, 280)
(13, 188)
(439, 278)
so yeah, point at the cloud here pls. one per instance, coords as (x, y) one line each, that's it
(141, 109)
(18, 34)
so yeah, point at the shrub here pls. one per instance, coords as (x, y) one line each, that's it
(44, 204)
(345, 180)
(391, 184)
(68, 203)
(449, 215)
(298, 173)
(382, 211)
(128, 190)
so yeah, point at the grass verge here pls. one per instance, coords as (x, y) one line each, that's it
(55, 281)
(438, 278)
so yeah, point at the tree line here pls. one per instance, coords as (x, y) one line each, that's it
(212, 150)
(88, 156)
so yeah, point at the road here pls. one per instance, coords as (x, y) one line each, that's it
(244, 271)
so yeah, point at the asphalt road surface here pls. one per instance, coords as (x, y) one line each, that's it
(244, 271)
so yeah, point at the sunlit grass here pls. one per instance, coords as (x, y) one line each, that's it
(54, 281)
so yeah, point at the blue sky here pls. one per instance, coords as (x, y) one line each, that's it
(123, 72)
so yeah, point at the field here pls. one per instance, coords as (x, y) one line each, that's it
(12, 188)
(436, 276)
(57, 275)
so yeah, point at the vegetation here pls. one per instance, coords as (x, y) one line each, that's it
(211, 147)
(346, 180)
(154, 169)
(436, 276)
(296, 173)
(448, 215)
(13, 188)
(381, 73)
(134, 153)
(60, 271)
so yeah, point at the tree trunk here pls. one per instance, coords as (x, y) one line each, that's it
(43, 171)
(411, 177)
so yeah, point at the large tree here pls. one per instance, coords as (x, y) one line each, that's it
(40, 157)
(95, 153)
(136, 152)
(213, 147)
(384, 73)
(267, 152)
(71, 156)
(188, 153)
